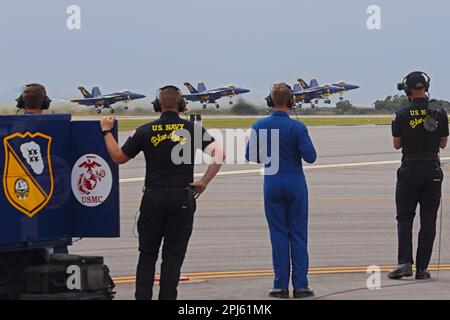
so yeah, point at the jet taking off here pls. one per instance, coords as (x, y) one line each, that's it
(99, 101)
(205, 96)
(343, 87)
(307, 94)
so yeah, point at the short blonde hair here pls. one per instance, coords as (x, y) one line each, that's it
(281, 94)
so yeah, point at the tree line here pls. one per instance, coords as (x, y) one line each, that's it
(389, 105)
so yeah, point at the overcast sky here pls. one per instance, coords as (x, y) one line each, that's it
(141, 44)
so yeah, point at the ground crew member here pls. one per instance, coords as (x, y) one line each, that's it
(33, 99)
(285, 192)
(420, 129)
(168, 204)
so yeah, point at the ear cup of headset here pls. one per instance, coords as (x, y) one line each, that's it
(270, 102)
(156, 105)
(20, 104)
(291, 102)
(46, 103)
(182, 106)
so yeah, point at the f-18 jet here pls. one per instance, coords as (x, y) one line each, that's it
(308, 94)
(105, 101)
(205, 96)
(344, 88)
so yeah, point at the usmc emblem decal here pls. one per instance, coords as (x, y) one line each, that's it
(91, 180)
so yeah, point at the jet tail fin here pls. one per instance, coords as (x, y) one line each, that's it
(297, 87)
(190, 87)
(314, 83)
(84, 92)
(96, 92)
(303, 83)
(201, 87)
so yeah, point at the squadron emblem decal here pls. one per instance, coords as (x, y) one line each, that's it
(28, 174)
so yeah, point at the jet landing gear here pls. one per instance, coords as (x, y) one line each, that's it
(328, 101)
(217, 106)
(204, 106)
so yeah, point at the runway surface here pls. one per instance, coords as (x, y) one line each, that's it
(352, 225)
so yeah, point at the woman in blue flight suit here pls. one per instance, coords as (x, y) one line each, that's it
(285, 190)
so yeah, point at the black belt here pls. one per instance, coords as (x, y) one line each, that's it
(420, 157)
(165, 186)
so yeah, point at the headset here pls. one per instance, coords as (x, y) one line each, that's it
(182, 105)
(45, 104)
(403, 86)
(291, 101)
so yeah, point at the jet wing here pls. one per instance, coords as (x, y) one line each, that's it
(197, 96)
(94, 101)
(87, 100)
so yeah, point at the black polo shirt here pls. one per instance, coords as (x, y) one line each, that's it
(169, 145)
(408, 124)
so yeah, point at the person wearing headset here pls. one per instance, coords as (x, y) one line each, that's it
(33, 99)
(420, 129)
(168, 204)
(285, 190)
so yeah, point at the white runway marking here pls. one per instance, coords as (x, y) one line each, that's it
(306, 168)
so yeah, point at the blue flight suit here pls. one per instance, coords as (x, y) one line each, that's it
(286, 195)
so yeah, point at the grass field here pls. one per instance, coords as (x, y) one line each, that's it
(245, 123)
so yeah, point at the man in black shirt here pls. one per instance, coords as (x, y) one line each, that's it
(420, 129)
(168, 205)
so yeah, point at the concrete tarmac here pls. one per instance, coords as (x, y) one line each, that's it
(352, 224)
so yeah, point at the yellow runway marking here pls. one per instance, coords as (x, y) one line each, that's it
(269, 273)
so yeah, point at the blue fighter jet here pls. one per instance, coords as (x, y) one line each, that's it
(105, 101)
(205, 96)
(344, 88)
(308, 94)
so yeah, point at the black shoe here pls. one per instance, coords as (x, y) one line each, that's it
(403, 270)
(303, 293)
(279, 293)
(422, 275)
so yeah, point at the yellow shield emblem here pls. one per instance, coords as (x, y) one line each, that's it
(28, 174)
